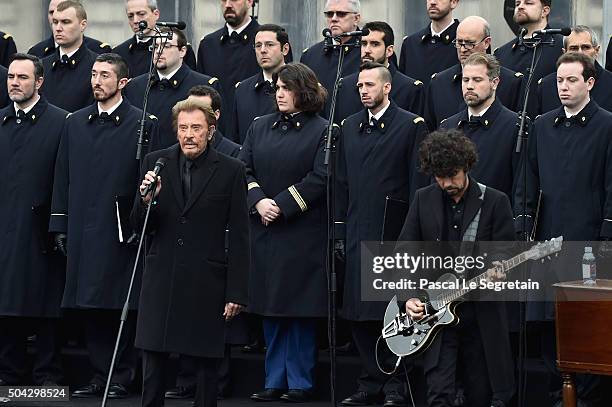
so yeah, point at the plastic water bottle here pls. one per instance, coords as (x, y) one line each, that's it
(589, 268)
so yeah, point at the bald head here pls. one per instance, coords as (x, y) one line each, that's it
(474, 35)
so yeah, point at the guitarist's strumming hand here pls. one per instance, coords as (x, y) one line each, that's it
(495, 273)
(415, 308)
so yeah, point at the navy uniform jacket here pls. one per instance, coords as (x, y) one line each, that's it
(32, 277)
(99, 265)
(324, 63)
(445, 97)
(163, 96)
(188, 277)
(284, 162)
(518, 57)
(495, 136)
(609, 56)
(254, 98)
(548, 97)
(225, 146)
(422, 55)
(47, 47)
(138, 56)
(570, 161)
(4, 98)
(407, 93)
(7, 48)
(373, 162)
(69, 85)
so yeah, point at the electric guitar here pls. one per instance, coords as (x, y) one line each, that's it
(406, 337)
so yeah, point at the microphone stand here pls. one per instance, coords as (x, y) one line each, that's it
(126, 305)
(330, 162)
(536, 43)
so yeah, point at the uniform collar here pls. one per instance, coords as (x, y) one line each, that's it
(446, 36)
(73, 60)
(112, 109)
(176, 78)
(240, 29)
(383, 123)
(32, 115)
(378, 115)
(486, 119)
(285, 122)
(262, 83)
(244, 35)
(441, 33)
(582, 118)
(135, 44)
(346, 47)
(117, 116)
(27, 109)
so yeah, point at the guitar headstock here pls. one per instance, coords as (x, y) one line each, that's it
(546, 248)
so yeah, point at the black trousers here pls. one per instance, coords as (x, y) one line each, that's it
(186, 375)
(461, 346)
(101, 328)
(154, 379)
(14, 332)
(372, 380)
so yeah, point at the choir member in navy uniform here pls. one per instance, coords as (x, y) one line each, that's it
(322, 58)
(68, 70)
(377, 46)
(7, 48)
(4, 99)
(376, 159)
(192, 278)
(491, 126)
(32, 277)
(459, 208)
(135, 51)
(569, 180)
(582, 39)
(228, 53)
(91, 220)
(254, 96)
(284, 154)
(430, 50)
(49, 46)
(444, 95)
(517, 54)
(171, 83)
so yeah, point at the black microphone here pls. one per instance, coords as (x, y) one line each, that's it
(178, 24)
(327, 33)
(565, 31)
(159, 165)
(358, 33)
(142, 25)
(521, 35)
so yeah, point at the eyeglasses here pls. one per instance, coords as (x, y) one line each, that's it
(161, 47)
(268, 45)
(340, 14)
(468, 45)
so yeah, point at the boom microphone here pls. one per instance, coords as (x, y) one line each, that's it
(358, 33)
(180, 25)
(159, 165)
(565, 31)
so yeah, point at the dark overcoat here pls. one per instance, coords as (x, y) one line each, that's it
(425, 222)
(284, 161)
(254, 98)
(7, 48)
(31, 273)
(188, 277)
(96, 177)
(374, 163)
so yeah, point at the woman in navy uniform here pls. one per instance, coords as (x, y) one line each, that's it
(284, 155)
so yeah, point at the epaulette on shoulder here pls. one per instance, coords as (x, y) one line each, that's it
(405, 36)
(418, 120)
(540, 81)
(518, 74)
(152, 117)
(256, 118)
(304, 50)
(237, 84)
(443, 120)
(418, 83)
(495, 50)
(104, 45)
(212, 80)
(7, 36)
(342, 122)
(68, 115)
(433, 75)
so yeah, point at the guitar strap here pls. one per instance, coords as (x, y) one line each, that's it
(470, 233)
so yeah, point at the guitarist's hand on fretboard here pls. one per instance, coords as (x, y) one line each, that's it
(415, 308)
(495, 273)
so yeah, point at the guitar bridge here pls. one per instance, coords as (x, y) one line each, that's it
(399, 326)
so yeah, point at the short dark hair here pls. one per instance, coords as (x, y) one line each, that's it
(78, 8)
(181, 40)
(546, 3)
(588, 66)
(205, 90)
(300, 79)
(384, 72)
(281, 34)
(119, 65)
(444, 152)
(39, 69)
(388, 36)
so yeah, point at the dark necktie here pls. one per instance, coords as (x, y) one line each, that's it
(21, 114)
(187, 179)
(64, 59)
(474, 121)
(373, 122)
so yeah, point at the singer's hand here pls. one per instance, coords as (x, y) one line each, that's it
(231, 310)
(148, 180)
(268, 210)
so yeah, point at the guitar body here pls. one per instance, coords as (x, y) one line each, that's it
(418, 335)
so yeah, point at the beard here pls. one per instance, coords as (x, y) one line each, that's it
(374, 102)
(522, 19)
(103, 97)
(439, 15)
(478, 101)
(22, 97)
(382, 61)
(234, 19)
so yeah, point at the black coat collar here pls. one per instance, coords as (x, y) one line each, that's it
(31, 117)
(73, 61)
(384, 123)
(582, 118)
(447, 36)
(485, 121)
(116, 117)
